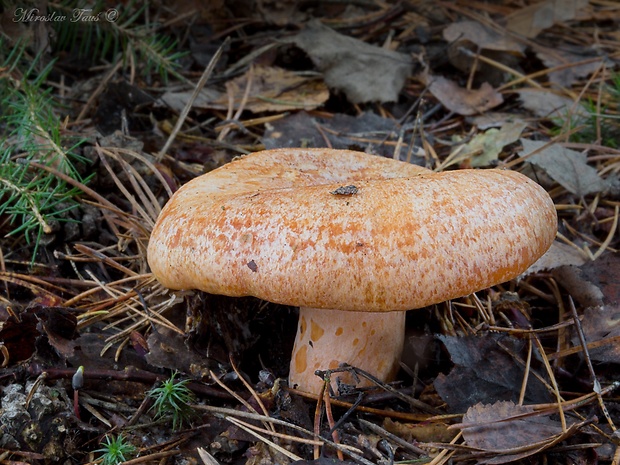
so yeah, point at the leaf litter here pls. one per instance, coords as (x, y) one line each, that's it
(365, 73)
(568, 167)
(510, 432)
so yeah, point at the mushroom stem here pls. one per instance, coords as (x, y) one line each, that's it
(327, 338)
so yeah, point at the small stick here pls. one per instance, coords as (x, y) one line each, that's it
(188, 106)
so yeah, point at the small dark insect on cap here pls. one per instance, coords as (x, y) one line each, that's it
(345, 190)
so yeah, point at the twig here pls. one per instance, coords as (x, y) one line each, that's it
(98, 90)
(271, 444)
(392, 437)
(188, 106)
(128, 374)
(610, 236)
(351, 451)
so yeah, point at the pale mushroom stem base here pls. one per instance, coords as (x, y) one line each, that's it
(327, 338)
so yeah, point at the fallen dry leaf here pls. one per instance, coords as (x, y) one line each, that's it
(176, 100)
(469, 40)
(596, 286)
(271, 89)
(581, 64)
(169, 349)
(559, 254)
(481, 36)
(486, 147)
(533, 19)
(547, 104)
(365, 131)
(463, 101)
(275, 89)
(280, 12)
(420, 432)
(601, 328)
(567, 167)
(509, 431)
(475, 377)
(491, 426)
(493, 119)
(365, 73)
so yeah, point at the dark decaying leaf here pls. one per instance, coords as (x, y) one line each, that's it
(340, 132)
(566, 76)
(461, 100)
(93, 352)
(482, 36)
(531, 20)
(18, 337)
(322, 461)
(476, 377)
(268, 89)
(60, 327)
(548, 104)
(167, 349)
(596, 285)
(364, 72)
(568, 167)
(490, 427)
(510, 432)
(601, 327)
(558, 255)
(38, 326)
(122, 101)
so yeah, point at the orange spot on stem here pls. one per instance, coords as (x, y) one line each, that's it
(316, 332)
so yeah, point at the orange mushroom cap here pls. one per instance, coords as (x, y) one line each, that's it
(345, 230)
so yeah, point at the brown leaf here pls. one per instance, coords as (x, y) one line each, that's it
(18, 336)
(420, 432)
(168, 349)
(601, 328)
(271, 89)
(559, 254)
(280, 12)
(546, 104)
(365, 73)
(490, 427)
(475, 378)
(531, 20)
(482, 36)
(596, 285)
(510, 431)
(463, 101)
(339, 131)
(582, 64)
(568, 168)
(60, 327)
(274, 89)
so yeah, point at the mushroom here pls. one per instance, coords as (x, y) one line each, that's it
(353, 239)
